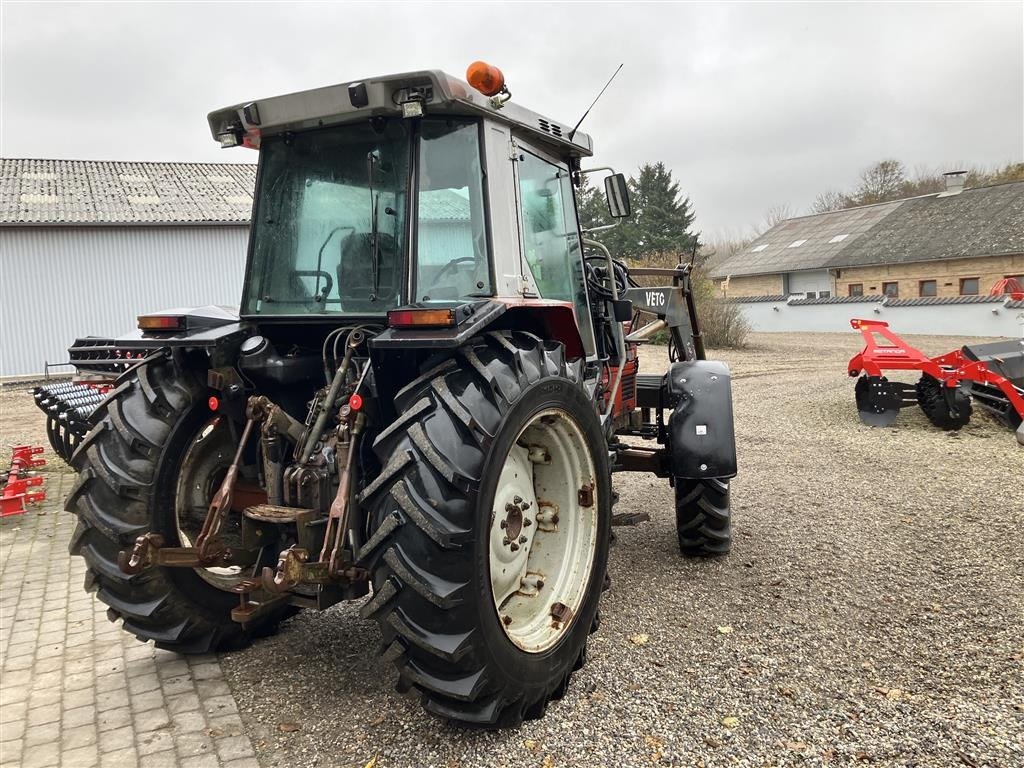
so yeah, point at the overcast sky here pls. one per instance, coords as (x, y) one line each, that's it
(751, 106)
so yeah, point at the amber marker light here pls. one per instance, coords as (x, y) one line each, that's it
(486, 78)
(161, 323)
(421, 318)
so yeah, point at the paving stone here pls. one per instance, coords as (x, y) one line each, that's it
(114, 718)
(206, 670)
(233, 747)
(79, 698)
(197, 743)
(78, 736)
(165, 759)
(118, 738)
(49, 713)
(82, 757)
(150, 742)
(185, 722)
(204, 761)
(185, 702)
(181, 684)
(47, 733)
(143, 702)
(209, 689)
(42, 756)
(12, 712)
(79, 716)
(120, 758)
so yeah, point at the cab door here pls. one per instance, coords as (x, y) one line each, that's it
(549, 231)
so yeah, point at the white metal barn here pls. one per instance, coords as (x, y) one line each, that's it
(87, 246)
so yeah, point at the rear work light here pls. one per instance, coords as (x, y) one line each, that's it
(161, 322)
(422, 318)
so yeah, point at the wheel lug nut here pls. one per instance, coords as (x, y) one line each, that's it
(514, 547)
(504, 523)
(517, 500)
(522, 539)
(504, 540)
(527, 522)
(525, 505)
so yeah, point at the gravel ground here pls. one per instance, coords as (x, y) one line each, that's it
(871, 611)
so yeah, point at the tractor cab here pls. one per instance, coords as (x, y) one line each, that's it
(408, 190)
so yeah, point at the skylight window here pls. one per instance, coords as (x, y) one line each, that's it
(838, 238)
(758, 249)
(796, 243)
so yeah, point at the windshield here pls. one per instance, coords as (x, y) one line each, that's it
(329, 219)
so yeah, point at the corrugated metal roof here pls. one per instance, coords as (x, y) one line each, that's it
(977, 222)
(70, 192)
(110, 192)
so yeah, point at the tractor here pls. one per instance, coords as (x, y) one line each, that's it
(431, 377)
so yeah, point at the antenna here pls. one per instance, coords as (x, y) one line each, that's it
(577, 126)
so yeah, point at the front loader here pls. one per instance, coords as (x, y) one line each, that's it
(431, 380)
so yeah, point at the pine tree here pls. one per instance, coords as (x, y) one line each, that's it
(660, 221)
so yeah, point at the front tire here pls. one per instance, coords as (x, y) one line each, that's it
(703, 517)
(448, 464)
(128, 470)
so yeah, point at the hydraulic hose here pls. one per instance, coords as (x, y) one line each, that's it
(620, 341)
(327, 406)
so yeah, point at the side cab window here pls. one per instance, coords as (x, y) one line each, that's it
(551, 237)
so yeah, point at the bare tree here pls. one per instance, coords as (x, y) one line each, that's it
(880, 182)
(829, 200)
(776, 215)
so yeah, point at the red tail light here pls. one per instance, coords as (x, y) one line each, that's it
(161, 322)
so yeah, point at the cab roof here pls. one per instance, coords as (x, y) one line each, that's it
(438, 93)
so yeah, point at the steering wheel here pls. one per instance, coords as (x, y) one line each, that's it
(451, 266)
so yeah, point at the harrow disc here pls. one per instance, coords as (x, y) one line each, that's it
(878, 400)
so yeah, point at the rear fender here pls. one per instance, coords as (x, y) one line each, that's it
(555, 320)
(702, 438)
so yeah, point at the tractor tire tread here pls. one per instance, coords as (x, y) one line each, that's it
(419, 600)
(117, 464)
(703, 517)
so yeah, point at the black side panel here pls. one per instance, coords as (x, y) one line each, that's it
(1003, 357)
(703, 441)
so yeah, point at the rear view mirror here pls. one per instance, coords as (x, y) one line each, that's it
(616, 191)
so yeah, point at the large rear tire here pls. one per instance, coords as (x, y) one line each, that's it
(703, 517)
(128, 471)
(444, 564)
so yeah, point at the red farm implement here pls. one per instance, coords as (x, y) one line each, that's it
(991, 374)
(17, 485)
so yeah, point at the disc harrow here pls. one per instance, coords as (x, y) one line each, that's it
(990, 374)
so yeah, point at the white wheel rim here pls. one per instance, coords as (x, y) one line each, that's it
(191, 492)
(543, 534)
